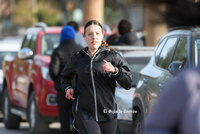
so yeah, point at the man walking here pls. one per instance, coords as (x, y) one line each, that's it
(61, 55)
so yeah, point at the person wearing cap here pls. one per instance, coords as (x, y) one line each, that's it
(61, 55)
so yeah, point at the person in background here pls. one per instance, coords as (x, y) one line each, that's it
(78, 36)
(178, 109)
(127, 36)
(61, 55)
(112, 38)
(96, 68)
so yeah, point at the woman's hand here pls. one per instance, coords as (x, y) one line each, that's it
(69, 94)
(108, 67)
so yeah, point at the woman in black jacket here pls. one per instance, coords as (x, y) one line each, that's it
(96, 69)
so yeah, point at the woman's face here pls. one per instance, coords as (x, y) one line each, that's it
(93, 36)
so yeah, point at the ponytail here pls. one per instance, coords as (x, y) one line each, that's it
(104, 43)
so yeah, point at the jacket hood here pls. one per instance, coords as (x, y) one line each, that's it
(128, 38)
(67, 33)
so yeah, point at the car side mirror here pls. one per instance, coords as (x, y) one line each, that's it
(25, 53)
(175, 66)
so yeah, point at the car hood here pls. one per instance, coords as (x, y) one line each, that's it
(42, 60)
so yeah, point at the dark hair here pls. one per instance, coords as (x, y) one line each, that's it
(124, 26)
(74, 25)
(94, 22)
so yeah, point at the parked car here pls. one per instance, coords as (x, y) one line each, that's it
(8, 46)
(178, 49)
(29, 92)
(137, 58)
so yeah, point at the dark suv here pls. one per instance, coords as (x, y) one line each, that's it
(178, 49)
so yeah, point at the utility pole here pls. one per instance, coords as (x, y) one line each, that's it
(154, 31)
(93, 9)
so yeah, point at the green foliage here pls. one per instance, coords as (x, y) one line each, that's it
(26, 14)
(48, 13)
(110, 14)
(22, 14)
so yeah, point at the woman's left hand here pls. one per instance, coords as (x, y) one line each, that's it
(108, 67)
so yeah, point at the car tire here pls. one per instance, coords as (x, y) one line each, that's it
(11, 121)
(36, 124)
(137, 128)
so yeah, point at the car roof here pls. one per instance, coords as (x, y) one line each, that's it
(36, 30)
(42, 27)
(182, 30)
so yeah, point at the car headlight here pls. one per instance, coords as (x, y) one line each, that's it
(45, 73)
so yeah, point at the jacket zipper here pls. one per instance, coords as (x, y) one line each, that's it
(95, 94)
(77, 104)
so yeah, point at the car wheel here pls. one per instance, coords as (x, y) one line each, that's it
(137, 128)
(36, 124)
(11, 121)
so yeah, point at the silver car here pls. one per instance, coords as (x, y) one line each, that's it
(137, 58)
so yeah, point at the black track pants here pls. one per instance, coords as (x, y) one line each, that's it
(64, 106)
(93, 127)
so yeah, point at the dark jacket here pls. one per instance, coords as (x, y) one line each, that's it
(95, 90)
(61, 55)
(129, 39)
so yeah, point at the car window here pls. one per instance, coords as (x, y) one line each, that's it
(166, 53)
(136, 64)
(49, 42)
(159, 48)
(197, 51)
(181, 51)
(33, 44)
(27, 41)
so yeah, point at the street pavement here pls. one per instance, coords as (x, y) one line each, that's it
(54, 128)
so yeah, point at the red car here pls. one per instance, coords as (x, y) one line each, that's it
(28, 91)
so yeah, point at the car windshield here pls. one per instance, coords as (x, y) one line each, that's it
(136, 64)
(48, 43)
(3, 54)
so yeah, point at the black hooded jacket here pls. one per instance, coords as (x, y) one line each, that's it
(61, 55)
(129, 39)
(94, 92)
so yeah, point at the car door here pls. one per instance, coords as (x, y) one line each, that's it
(180, 54)
(22, 80)
(159, 70)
